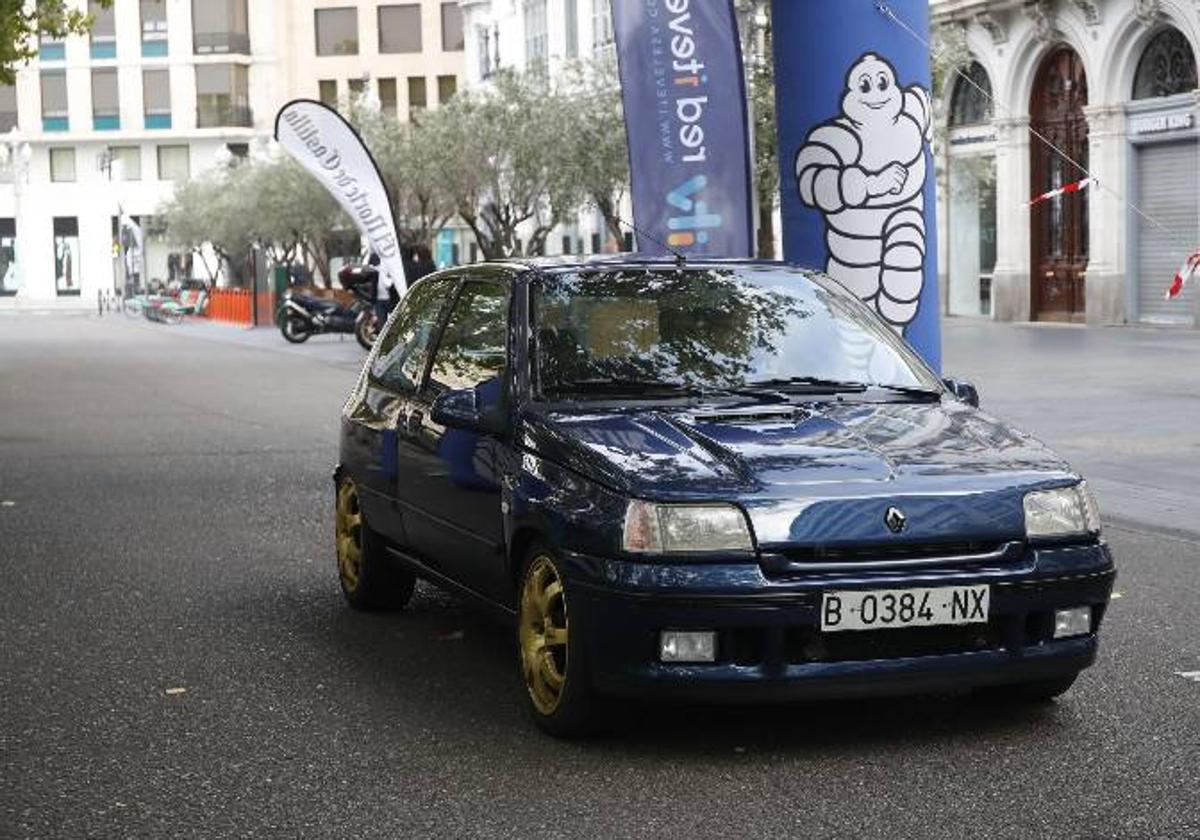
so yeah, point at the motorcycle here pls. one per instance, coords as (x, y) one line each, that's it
(301, 316)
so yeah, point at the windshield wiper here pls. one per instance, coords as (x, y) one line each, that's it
(911, 391)
(807, 384)
(616, 385)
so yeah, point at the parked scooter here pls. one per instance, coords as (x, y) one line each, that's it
(301, 316)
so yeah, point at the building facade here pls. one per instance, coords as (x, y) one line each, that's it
(1056, 92)
(101, 128)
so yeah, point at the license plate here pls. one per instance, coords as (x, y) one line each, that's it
(876, 609)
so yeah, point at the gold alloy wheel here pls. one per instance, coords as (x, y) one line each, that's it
(543, 634)
(349, 535)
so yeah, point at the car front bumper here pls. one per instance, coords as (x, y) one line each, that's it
(769, 645)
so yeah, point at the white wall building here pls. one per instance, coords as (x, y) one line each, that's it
(164, 89)
(1110, 83)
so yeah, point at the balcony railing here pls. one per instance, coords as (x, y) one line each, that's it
(224, 116)
(206, 43)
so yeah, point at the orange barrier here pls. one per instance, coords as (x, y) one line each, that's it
(232, 305)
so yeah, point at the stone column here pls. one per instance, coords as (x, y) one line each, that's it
(1010, 280)
(1108, 157)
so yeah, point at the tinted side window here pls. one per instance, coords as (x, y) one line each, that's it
(404, 348)
(474, 346)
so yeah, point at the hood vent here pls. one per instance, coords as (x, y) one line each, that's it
(753, 415)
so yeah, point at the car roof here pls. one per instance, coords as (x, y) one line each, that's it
(609, 262)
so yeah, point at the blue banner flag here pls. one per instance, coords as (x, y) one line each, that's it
(855, 132)
(685, 116)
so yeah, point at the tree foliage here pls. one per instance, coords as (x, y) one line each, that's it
(22, 24)
(267, 201)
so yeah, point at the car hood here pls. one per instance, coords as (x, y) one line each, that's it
(815, 472)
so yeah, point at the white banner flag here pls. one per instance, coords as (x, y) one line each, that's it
(329, 148)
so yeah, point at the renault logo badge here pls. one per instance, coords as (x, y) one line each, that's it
(895, 520)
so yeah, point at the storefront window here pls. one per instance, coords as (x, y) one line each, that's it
(1167, 67)
(9, 285)
(66, 255)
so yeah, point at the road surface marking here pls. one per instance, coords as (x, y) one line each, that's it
(1194, 676)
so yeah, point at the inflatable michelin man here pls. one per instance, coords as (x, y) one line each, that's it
(865, 171)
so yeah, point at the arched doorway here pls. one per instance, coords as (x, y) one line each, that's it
(1059, 227)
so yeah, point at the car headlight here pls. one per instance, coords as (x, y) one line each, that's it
(682, 529)
(1065, 512)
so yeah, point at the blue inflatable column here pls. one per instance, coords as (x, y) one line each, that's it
(855, 135)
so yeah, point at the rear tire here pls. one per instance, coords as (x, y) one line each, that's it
(1035, 691)
(368, 578)
(294, 329)
(551, 651)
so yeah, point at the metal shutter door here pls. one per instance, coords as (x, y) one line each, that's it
(1168, 177)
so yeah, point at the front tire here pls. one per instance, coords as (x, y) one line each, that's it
(368, 578)
(551, 651)
(294, 329)
(365, 330)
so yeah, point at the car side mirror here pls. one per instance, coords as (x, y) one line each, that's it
(963, 390)
(460, 409)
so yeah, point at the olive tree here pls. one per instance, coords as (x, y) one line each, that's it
(504, 160)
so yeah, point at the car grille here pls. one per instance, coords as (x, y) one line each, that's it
(801, 560)
(803, 645)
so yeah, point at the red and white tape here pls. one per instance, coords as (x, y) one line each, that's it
(1077, 186)
(1183, 275)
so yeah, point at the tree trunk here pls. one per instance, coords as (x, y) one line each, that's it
(766, 228)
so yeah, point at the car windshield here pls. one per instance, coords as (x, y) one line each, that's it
(666, 329)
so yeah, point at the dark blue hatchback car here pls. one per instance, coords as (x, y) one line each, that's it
(719, 480)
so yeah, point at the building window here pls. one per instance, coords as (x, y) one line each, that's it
(1167, 67)
(447, 87)
(62, 164)
(104, 30)
(66, 255)
(971, 103)
(602, 30)
(51, 49)
(387, 96)
(400, 29)
(416, 94)
(126, 163)
(537, 39)
(571, 32)
(173, 163)
(327, 92)
(239, 151)
(156, 98)
(220, 26)
(222, 95)
(452, 27)
(356, 86)
(54, 100)
(8, 108)
(566, 244)
(106, 108)
(337, 31)
(489, 51)
(154, 27)
(9, 284)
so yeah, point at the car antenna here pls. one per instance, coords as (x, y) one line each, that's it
(680, 259)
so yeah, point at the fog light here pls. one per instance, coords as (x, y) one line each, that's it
(690, 646)
(1072, 622)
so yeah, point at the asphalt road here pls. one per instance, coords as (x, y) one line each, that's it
(176, 660)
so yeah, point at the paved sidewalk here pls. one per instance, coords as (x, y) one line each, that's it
(1121, 403)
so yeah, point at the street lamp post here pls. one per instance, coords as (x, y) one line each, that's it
(17, 154)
